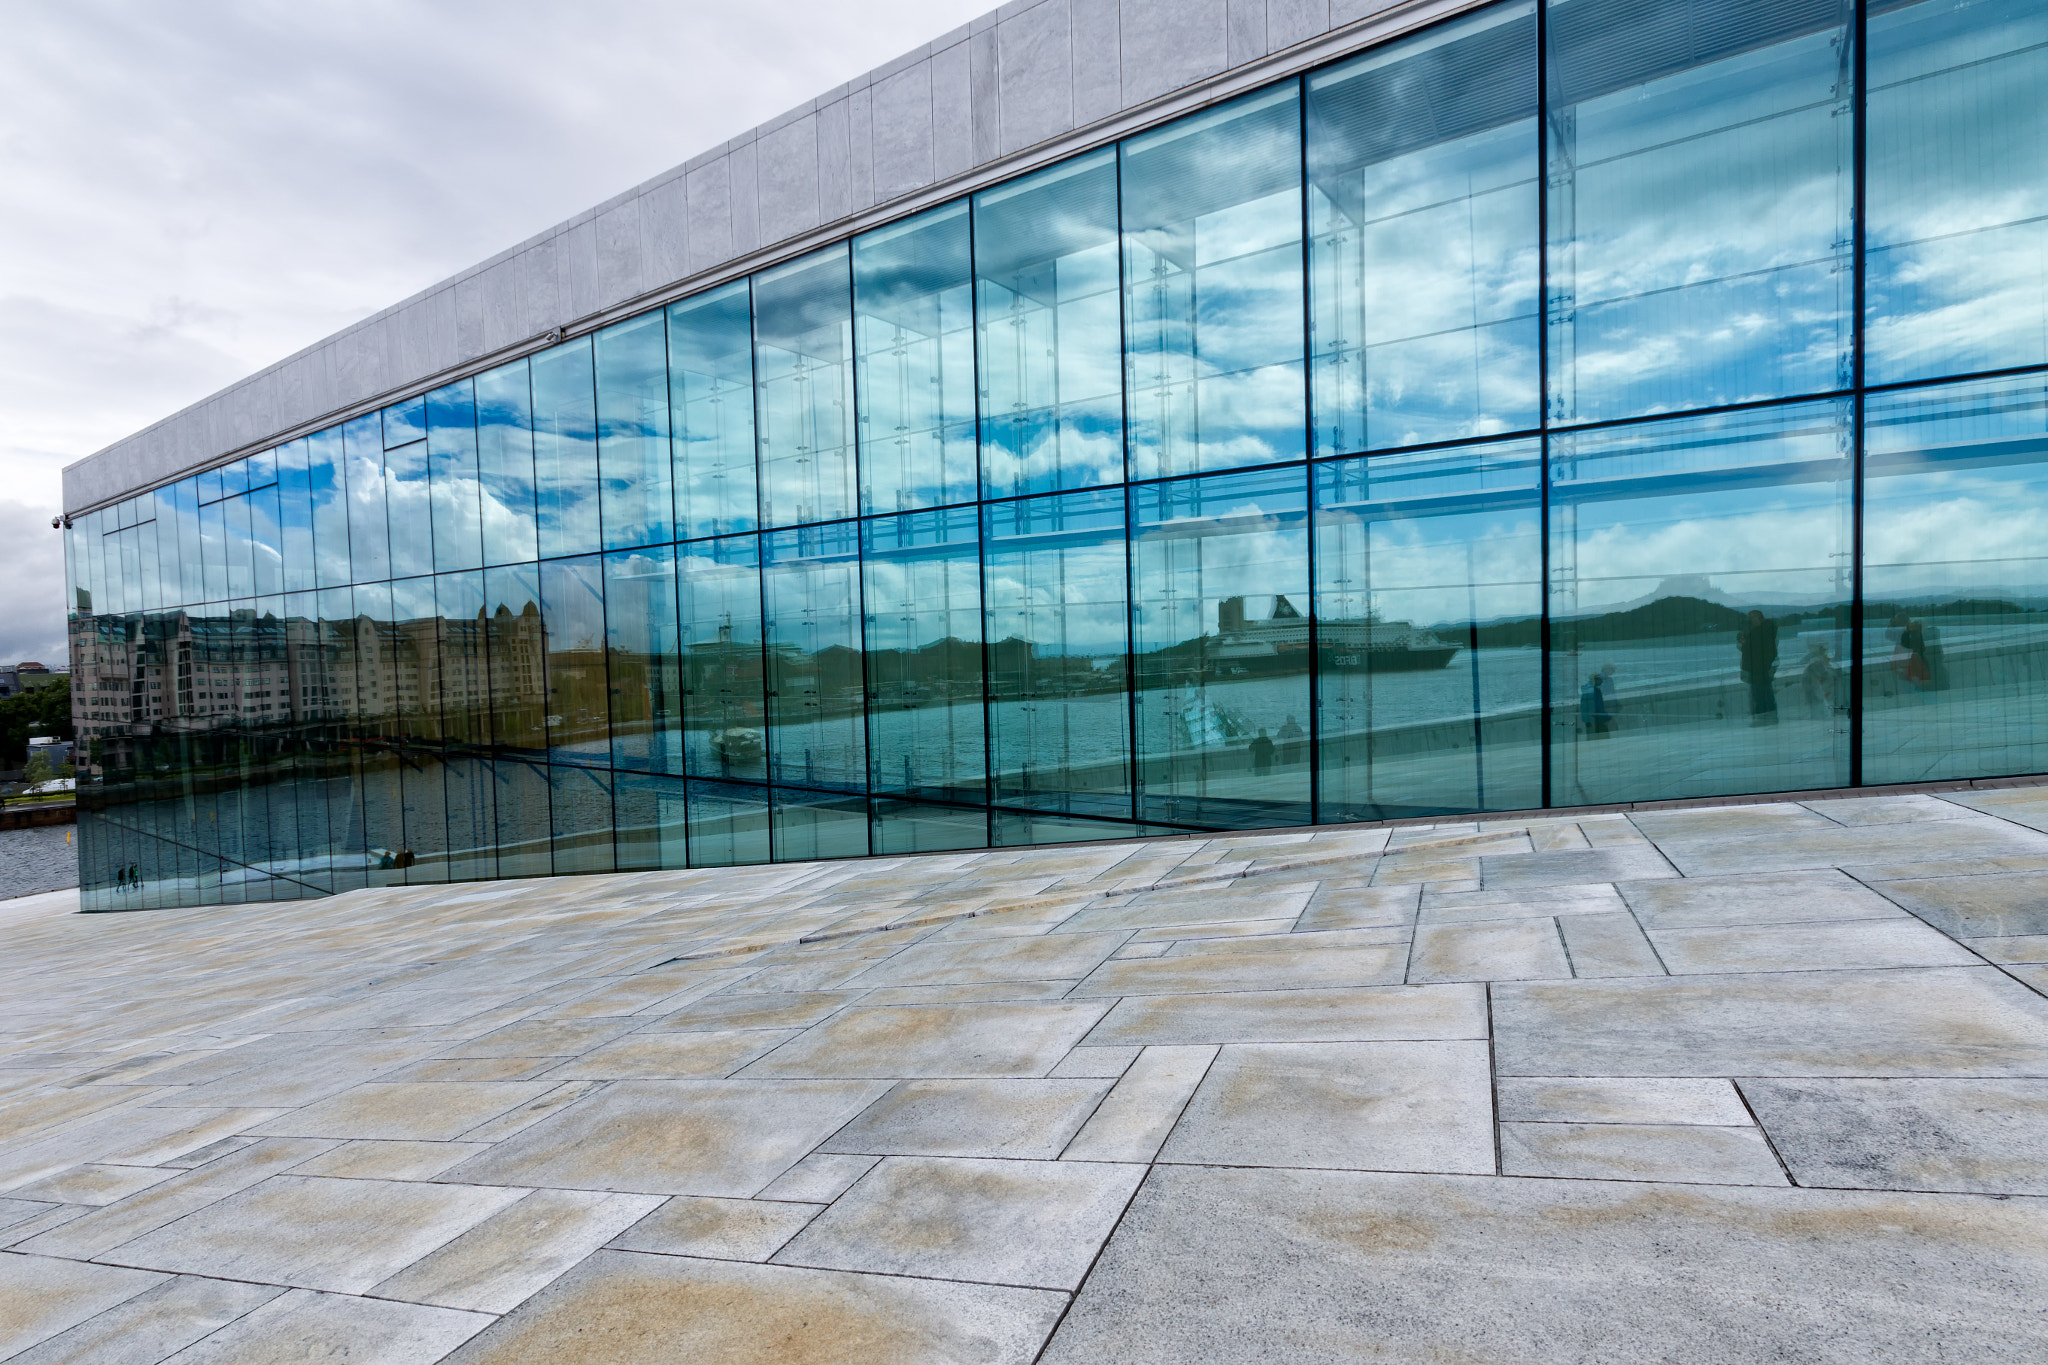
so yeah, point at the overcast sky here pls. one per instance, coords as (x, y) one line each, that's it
(191, 191)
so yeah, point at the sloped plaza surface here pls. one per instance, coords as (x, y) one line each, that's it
(1736, 1083)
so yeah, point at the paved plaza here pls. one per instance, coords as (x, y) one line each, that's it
(1730, 1083)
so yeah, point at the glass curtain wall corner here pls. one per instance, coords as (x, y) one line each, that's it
(1570, 402)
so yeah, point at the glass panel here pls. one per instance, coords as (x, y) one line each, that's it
(650, 822)
(326, 477)
(405, 423)
(632, 433)
(1045, 265)
(565, 450)
(342, 763)
(1423, 246)
(266, 540)
(262, 470)
(728, 824)
(1955, 650)
(241, 553)
(234, 479)
(1213, 288)
(1700, 156)
(472, 818)
(582, 802)
(451, 466)
(810, 583)
(724, 705)
(814, 825)
(1429, 627)
(369, 537)
(913, 305)
(415, 642)
(209, 485)
(711, 392)
(383, 794)
(914, 827)
(191, 560)
(803, 325)
(504, 436)
(921, 575)
(1956, 202)
(1695, 565)
(517, 648)
(572, 607)
(525, 825)
(213, 550)
(1220, 639)
(1058, 618)
(645, 654)
(410, 508)
(462, 678)
(1014, 829)
(295, 517)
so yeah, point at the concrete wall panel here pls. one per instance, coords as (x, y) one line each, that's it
(903, 131)
(1036, 59)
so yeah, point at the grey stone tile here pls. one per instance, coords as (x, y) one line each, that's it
(1364, 907)
(422, 1112)
(1138, 1114)
(1982, 1136)
(304, 1325)
(532, 1112)
(1619, 1099)
(1192, 905)
(1689, 1154)
(153, 1324)
(1572, 867)
(1977, 906)
(675, 1137)
(1726, 822)
(768, 1011)
(541, 1038)
(1608, 945)
(1248, 971)
(513, 1254)
(1298, 1016)
(2012, 948)
(1931, 841)
(43, 1296)
(92, 1184)
(1889, 810)
(370, 1159)
(1036, 1223)
(312, 1232)
(1809, 947)
(1503, 950)
(819, 1178)
(672, 1054)
(1108, 1062)
(1290, 942)
(1967, 1021)
(723, 1229)
(1359, 1106)
(907, 1041)
(1224, 933)
(1044, 957)
(1766, 898)
(656, 1310)
(1419, 1267)
(1026, 1119)
(1535, 902)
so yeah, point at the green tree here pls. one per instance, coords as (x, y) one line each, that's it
(44, 710)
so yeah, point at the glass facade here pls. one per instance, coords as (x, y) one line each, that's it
(1574, 402)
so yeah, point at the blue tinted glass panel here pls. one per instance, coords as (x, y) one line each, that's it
(913, 303)
(810, 583)
(632, 433)
(209, 485)
(1058, 639)
(1423, 245)
(452, 475)
(728, 824)
(462, 680)
(818, 825)
(369, 534)
(922, 578)
(409, 505)
(582, 806)
(651, 817)
(405, 423)
(1220, 639)
(1957, 197)
(1429, 602)
(1954, 642)
(565, 450)
(241, 548)
(327, 481)
(1700, 159)
(266, 540)
(1697, 565)
(415, 652)
(234, 478)
(803, 359)
(262, 469)
(504, 431)
(916, 827)
(191, 567)
(572, 609)
(724, 696)
(295, 517)
(213, 550)
(711, 397)
(646, 660)
(1051, 339)
(1213, 288)
(517, 661)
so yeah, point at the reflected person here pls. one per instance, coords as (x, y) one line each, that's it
(1292, 743)
(1758, 644)
(1262, 753)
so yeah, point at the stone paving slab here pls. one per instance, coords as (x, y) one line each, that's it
(1739, 1083)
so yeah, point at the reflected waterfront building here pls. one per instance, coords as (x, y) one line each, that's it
(1563, 402)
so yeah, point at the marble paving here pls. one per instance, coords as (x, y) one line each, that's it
(1738, 1083)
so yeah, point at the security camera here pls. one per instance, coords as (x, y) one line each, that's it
(56, 523)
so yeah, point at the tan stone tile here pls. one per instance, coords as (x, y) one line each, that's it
(92, 1184)
(905, 1041)
(1298, 1016)
(530, 1113)
(1608, 945)
(541, 1038)
(773, 1010)
(1135, 1118)
(1499, 950)
(371, 1159)
(819, 1178)
(1224, 970)
(304, 1325)
(1619, 1099)
(1026, 1119)
(41, 1296)
(438, 1111)
(1622, 1151)
(672, 1054)
(512, 1255)
(152, 1325)
(724, 1229)
(1041, 958)
(1100, 1062)
(1809, 947)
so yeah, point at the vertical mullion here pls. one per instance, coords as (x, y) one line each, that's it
(1543, 416)
(1123, 374)
(860, 555)
(1308, 398)
(1858, 157)
(761, 563)
(981, 500)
